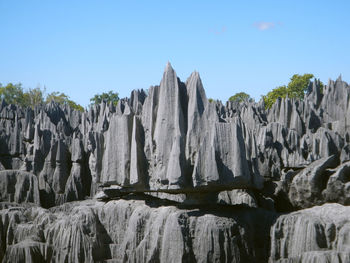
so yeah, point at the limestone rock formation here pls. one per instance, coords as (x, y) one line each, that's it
(176, 177)
(18, 187)
(318, 234)
(306, 186)
(132, 231)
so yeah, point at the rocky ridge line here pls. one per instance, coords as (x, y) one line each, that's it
(170, 144)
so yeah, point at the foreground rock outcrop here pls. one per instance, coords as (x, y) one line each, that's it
(172, 176)
(133, 231)
(19, 187)
(318, 234)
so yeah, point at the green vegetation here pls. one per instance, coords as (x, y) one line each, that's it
(298, 85)
(33, 97)
(12, 93)
(239, 97)
(272, 96)
(62, 98)
(296, 88)
(108, 97)
(15, 94)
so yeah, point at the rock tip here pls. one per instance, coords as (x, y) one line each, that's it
(168, 66)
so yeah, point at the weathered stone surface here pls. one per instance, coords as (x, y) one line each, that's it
(318, 234)
(237, 197)
(168, 163)
(172, 138)
(19, 186)
(175, 145)
(307, 186)
(116, 155)
(133, 231)
(28, 251)
(338, 186)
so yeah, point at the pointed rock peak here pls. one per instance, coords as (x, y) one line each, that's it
(169, 69)
(330, 83)
(196, 94)
(168, 66)
(169, 77)
(195, 79)
(339, 78)
(194, 75)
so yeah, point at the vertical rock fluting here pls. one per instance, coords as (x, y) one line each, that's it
(172, 138)
(168, 164)
(132, 231)
(172, 143)
(18, 187)
(318, 234)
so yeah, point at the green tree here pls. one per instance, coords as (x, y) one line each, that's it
(298, 85)
(58, 97)
(108, 97)
(62, 98)
(239, 97)
(296, 88)
(12, 93)
(33, 97)
(273, 95)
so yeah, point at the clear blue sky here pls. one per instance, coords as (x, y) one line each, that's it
(86, 47)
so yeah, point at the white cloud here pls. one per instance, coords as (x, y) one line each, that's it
(262, 26)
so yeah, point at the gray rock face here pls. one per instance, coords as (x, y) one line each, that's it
(306, 187)
(188, 153)
(132, 231)
(237, 197)
(171, 139)
(18, 186)
(318, 234)
(338, 186)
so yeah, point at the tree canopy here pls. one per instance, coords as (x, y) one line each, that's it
(34, 97)
(12, 93)
(239, 97)
(15, 94)
(296, 88)
(62, 98)
(108, 97)
(298, 85)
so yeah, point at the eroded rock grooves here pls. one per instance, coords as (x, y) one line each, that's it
(172, 177)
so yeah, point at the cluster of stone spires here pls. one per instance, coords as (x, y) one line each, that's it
(173, 139)
(171, 142)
